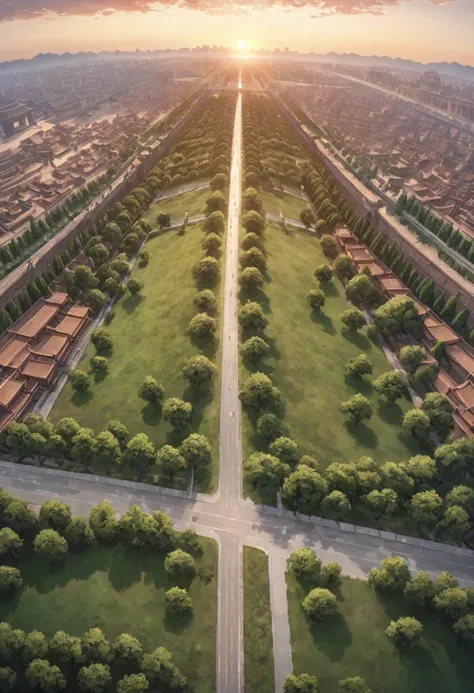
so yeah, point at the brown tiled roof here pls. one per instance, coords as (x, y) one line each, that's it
(8, 391)
(38, 369)
(51, 345)
(11, 350)
(461, 357)
(34, 322)
(58, 299)
(79, 311)
(70, 325)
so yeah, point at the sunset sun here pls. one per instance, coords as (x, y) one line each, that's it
(241, 45)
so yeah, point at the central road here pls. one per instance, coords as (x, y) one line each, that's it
(229, 620)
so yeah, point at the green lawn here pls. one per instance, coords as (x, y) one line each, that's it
(258, 641)
(122, 590)
(193, 203)
(308, 355)
(354, 644)
(149, 336)
(290, 205)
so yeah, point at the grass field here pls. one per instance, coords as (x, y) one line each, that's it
(122, 591)
(258, 641)
(149, 336)
(354, 644)
(193, 203)
(290, 205)
(308, 355)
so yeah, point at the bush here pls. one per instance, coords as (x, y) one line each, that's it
(134, 286)
(319, 604)
(11, 543)
(323, 274)
(179, 563)
(56, 514)
(99, 365)
(80, 381)
(151, 390)
(202, 326)
(50, 545)
(206, 270)
(305, 565)
(251, 316)
(303, 683)
(359, 366)
(316, 299)
(177, 413)
(10, 579)
(406, 631)
(177, 600)
(102, 340)
(205, 301)
(357, 408)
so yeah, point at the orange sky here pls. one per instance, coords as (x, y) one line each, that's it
(425, 30)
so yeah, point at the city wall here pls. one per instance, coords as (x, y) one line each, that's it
(14, 283)
(445, 278)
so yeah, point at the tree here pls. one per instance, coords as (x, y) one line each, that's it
(99, 365)
(35, 646)
(342, 268)
(420, 589)
(83, 446)
(440, 412)
(170, 461)
(355, 684)
(134, 286)
(357, 409)
(316, 299)
(133, 683)
(216, 202)
(303, 490)
(196, 450)
(205, 301)
(163, 220)
(359, 366)
(251, 316)
(128, 649)
(254, 349)
(253, 258)
(179, 563)
(251, 279)
(212, 244)
(80, 381)
(406, 631)
(286, 450)
(10, 579)
(259, 393)
(202, 326)
(464, 628)
(12, 642)
(177, 600)
(56, 514)
(102, 340)
(78, 532)
(45, 676)
(439, 351)
(421, 468)
(11, 543)
(151, 390)
(323, 274)
(103, 522)
(455, 523)
(140, 454)
(121, 264)
(199, 371)
(392, 576)
(214, 223)
(269, 427)
(399, 315)
(177, 413)
(391, 386)
(20, 518)
(418, 423)
(336, 505)
(303, 683)
(425, 506)
(253, 222)
(8, 679)
(305, 565)
(159, 668)
(94, 678)
(353, 319)
(95, 646)
(50, 545)
(452, 601)
(411, 356)
(459, 324)
(265, 472)
(319, 604)
(329, 247)
(361, 289)
(461, 496)
(384, 502)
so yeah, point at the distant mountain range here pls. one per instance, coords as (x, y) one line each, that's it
(453, 69)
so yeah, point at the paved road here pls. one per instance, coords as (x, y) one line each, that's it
(230, 519)
(181, 191)
(229, 625)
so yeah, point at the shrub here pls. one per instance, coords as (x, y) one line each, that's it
(177, 600)
(359, 366)
(323, 274)
(357, 409)
(102, 340)
(319, 604)
(202, 326)
(80, 381)
(179, 563)
(10, 579)
(151, 390)
(177, 413)
(406, 631)
(353, 319)
(316, 299)
(134, 286)
(99, 365)
(50, 545)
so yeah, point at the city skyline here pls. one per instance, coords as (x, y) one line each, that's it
(424, 30)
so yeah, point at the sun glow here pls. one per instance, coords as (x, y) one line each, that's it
(241, 45)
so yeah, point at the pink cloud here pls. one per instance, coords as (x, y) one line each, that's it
(30, 9)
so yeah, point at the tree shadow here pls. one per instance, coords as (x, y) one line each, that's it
(363, 434)
(359, 340)
(200, 398)
(330, 289)
(256, 295)
(152, 414)
(331, 637)
(99, 377)
(390, 413)
(132, 302)
(324, 321)
(361, 385)
(206, 345)
(80, 399)
(177, 623)
(124, 570)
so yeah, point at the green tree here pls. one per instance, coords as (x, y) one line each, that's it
(269, 427)
(20, 518)
(397, 316)
(35, 646)
(459, 324)
(303, 490)
(94, 678)
(179, 563)
(11, 543)
(170, 461)
(452, 602)
(95, 646)
(411, 356)
(305, 565)
(440, 412)
(102, 340)
(177, 600)
(251, 316)
(78, 532)
(177, 413)
(140, 454)
(205, 302)
(258, 392)
(254, 349)
(10, 579)
(50, 545)
(196, 450)
(80, 381)
(329, 247)
(449, 310)
(418, 423)
(253, 222)
(420, 589)
(128, 649)
(342, 268)
(336, 505)
(199, 371)
(202, 326)
(391, 386)
(286, 450)
(359, 366)
(323, 274)
(133, 683)
(319, 604)
(355, 684)
(301, 683)
(265, 472)
(406, 631)
(464, 628)
(44, 676)
(425, 507)
(316, 299)
(392, 576)
(357, 408)
(251, 279)
(362, 290)
(103, 521)
(353, 319)
(151, 390)
(99, 365)
(8, 679)
(56, 514)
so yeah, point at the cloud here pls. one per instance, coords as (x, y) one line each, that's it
(31, 9)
